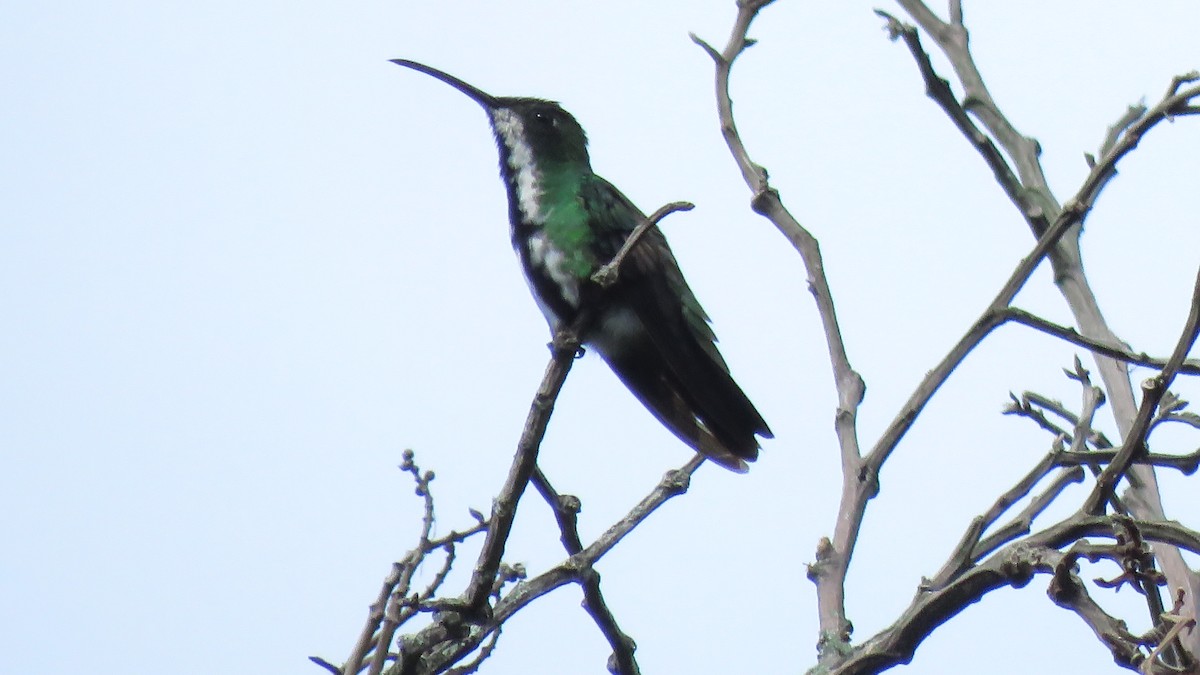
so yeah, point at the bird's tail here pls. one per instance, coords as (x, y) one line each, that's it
(702, 405)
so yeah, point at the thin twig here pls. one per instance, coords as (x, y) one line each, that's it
(1185, 464)
(607, 275)
(1189, 367)
(938, 89)
(566, 509)
(393, 606)
(1022, 524)
(1153, 391)
(441, 645)
(397, 599)
(326, 665)
(1093, 398)
(1067, 591)
(1027, 407)
(1132, 114)
(1177, 623)
(1032, 195)
(968, 548)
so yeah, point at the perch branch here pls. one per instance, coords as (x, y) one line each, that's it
(504, 508)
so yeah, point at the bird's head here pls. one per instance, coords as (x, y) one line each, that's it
(529, 130)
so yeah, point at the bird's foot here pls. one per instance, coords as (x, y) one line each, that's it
(566, 342)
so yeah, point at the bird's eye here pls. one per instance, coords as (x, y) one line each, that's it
(546, 118)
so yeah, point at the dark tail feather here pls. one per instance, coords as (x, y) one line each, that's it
(703, 406)
(718, 401)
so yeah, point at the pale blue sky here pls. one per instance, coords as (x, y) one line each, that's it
(245, 262)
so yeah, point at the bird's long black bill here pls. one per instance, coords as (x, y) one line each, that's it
(478, 95)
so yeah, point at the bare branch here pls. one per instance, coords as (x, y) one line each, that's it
(1069, 276)
(858, 483)
(504, 507)
(1153, 391)
(1176, 622)
(398, 601)
(326, 665)
(469, 626)
(566, 510)
(1189, 366)
(938, 89)
(1033, 199)
(1023, 523)
(1067, 591)
(444, 642)
(1132, 114)
(607, 275)
(1186, 464)
(394, 606)
(970, 548)
(1013, 565)
(1180, 80)
(1072, 214)
(468, 623)
(485, 650)
(1093, 398)
(622, 661)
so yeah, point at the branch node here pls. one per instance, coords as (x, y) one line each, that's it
(708, 49)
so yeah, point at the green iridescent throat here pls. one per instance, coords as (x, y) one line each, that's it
(566, 219)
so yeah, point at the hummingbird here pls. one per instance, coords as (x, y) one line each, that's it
(567, 222)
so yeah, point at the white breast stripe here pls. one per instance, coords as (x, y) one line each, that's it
(511, 130)
(545, 255)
